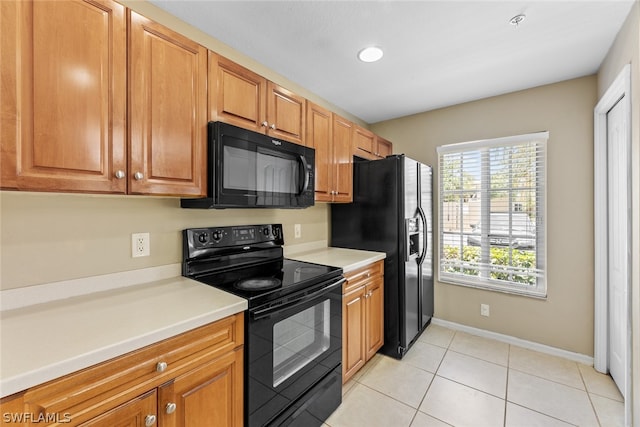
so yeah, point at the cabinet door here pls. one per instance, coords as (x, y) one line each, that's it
(364, 143)
(285, 114)
(236, 94)
(375, 317)
(63, 95)
(353, 332)
(167, 111)
(210, 395)
(342, 160)
(384, 147)
(319, 137)
(135, 413)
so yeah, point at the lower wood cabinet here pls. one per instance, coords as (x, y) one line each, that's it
(362, 317)
(137, 412)
(193, 379)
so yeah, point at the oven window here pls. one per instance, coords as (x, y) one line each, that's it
(299, 339)
(259, 171)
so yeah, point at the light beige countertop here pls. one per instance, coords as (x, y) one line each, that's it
(53, 338)
(347, 259)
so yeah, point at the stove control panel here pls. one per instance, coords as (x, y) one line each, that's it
(243, 235)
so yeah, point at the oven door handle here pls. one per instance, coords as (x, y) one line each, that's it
(268, 311)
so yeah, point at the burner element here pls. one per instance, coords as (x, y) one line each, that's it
(258, 284)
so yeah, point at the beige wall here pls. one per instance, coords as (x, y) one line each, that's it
(565, 318)
(51, 237)
(626, 50)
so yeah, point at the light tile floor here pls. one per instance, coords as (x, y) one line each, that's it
(451, 378)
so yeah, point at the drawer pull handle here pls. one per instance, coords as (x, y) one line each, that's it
(138, 176)
(149, 420)
(170, 408)
(120, 174)
(161, 367)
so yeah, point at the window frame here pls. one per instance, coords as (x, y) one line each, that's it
(483, 281)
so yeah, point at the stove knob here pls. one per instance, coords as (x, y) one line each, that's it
(265, 231)
(217, 235)
(203, 238)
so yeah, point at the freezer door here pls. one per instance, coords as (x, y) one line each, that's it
(426, 207)
(411, 297)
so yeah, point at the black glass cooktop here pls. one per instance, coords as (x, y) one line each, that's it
(271, 279)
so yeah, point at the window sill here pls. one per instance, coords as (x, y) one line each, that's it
(495, 288)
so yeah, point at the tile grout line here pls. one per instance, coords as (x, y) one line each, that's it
(586, 389)
(435, 374)
(506, 389)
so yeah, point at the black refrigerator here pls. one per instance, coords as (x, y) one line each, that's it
(392, 212)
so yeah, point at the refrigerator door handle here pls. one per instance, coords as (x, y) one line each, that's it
(423, 250)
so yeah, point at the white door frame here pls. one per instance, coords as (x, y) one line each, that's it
(619, 91)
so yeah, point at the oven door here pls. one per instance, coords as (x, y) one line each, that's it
(254, 170)
(293, 345)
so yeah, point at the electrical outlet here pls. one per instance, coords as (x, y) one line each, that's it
(297, 231)
(484, 310)
(140, 245)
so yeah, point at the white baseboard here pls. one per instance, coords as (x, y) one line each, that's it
(542, 348)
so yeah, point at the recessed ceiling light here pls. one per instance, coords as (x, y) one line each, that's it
(517, 20)
(370, 54)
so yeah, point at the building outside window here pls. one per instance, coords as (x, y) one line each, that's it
(492, 213)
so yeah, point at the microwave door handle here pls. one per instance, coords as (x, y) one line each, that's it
(305, 165)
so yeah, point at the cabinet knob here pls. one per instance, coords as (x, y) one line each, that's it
(170, 408)
(161, 367)
(264, 124)
(149, 420)
(138, 176)
(273, 126)
(119, 174)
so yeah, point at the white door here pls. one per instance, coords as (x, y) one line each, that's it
(618, 242)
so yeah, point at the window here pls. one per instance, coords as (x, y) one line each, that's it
(492, 205)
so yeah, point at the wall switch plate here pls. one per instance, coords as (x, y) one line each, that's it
(297, 231)
(140, 245)
(484, 310)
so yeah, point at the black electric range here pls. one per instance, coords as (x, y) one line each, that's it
(293, 325)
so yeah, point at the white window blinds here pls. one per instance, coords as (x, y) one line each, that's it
(492, 205)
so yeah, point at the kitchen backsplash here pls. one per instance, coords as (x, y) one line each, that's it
(49, 237)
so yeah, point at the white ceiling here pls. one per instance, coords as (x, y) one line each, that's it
(437, 53)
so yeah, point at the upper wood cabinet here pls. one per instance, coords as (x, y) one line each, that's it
(243, 98)
(167, 111)
(343, 159)
(320, 138)
(236, 94)
(330, 136)
(363, 142)
(63, 95)
(384, 147)
(369, 146)
(64, 101)
(285, 114)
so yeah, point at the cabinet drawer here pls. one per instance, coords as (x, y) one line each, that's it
(92, 391)
(362, 276)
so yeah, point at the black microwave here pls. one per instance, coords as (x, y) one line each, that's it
(247, 169)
